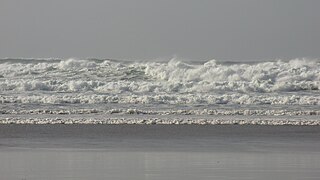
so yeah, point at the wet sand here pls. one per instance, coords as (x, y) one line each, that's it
(40, 152)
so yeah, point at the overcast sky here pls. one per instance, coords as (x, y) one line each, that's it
(135, 29)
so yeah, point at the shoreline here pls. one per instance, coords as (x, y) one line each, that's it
(270, 121)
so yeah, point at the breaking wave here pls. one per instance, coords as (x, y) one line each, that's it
(152, 77)
(261, 85)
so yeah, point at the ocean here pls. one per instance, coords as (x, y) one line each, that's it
(151, 120)
(106, 91)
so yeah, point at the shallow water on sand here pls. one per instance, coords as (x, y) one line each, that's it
(41, 152)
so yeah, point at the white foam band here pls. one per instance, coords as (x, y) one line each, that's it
(161, 121)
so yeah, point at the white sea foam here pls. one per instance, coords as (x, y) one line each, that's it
(160, 112)
(159, 121)
(294, 75)
(25, 82)
(174, 76)
(89, 98)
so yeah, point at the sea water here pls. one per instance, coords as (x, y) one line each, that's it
(159, 92)
(219, 114)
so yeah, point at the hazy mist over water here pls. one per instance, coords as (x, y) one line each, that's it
(143, 29)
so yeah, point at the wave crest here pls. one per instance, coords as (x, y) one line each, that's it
(172, 82)
(295, 75)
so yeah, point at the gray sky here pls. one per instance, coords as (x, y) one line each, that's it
(134, 29)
